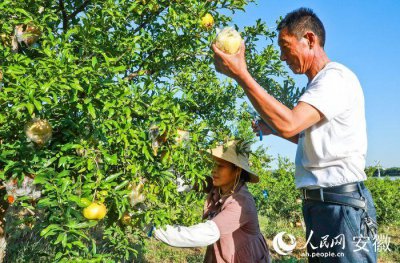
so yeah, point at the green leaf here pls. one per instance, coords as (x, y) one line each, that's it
(112, 177)
(58, 255)
(69, 146)
(111, 159)
(65, 184)
(79, 244)
(40, 179)
(62, 161)
(38, 105)
(50, 230)
(94, 246)
(94, 62)
(87, 224)
(92, 112)
(121, 185)
(60, 238)
(29, 107)
(50, 161)
(46, 202)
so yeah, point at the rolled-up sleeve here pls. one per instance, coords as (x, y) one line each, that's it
(199, 235)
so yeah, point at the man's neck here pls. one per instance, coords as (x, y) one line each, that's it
(319, 62)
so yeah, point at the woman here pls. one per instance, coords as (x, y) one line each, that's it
(231, 232)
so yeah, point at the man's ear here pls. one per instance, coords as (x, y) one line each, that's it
(311, 38)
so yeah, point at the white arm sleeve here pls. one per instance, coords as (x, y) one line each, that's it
(199, 235)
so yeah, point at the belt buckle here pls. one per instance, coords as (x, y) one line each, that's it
(304, 194)
(321, 194)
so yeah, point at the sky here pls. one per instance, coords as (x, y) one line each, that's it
(365, 37)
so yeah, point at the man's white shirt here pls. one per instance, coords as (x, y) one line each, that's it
(332, 152)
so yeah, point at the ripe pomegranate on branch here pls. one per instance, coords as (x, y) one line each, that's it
(38, 131)
(28, 34)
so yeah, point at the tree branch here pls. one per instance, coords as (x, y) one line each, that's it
(148, 20)
(138, 73)
(79, 9)
(64, 15)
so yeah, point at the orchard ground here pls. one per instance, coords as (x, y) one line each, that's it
(157, 251)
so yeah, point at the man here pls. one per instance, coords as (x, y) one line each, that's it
(328, 124)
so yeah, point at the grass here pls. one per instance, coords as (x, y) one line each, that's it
(392, 256)
(159, 252)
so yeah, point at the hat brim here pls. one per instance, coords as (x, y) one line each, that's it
(218, 153)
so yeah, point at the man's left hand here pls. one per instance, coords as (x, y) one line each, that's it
(230, 65)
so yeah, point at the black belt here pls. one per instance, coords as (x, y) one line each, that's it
(336, 195)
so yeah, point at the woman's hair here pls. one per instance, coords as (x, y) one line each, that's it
(244, 176)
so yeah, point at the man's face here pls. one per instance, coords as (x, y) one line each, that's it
(296, 52)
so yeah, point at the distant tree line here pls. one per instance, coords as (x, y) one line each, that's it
(394, 171)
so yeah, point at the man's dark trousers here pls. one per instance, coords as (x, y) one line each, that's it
(329, 223)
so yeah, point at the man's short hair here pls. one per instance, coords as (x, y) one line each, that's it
(300, 20)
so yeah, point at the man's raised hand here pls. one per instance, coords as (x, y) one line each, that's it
(230, 65)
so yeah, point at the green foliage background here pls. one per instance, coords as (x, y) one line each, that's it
(102, 73)
(385, 192)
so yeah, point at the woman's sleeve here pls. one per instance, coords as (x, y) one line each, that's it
(199, 235)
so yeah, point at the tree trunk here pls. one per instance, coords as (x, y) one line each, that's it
(3, 209)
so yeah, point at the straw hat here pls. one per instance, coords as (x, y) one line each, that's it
(236, 152)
